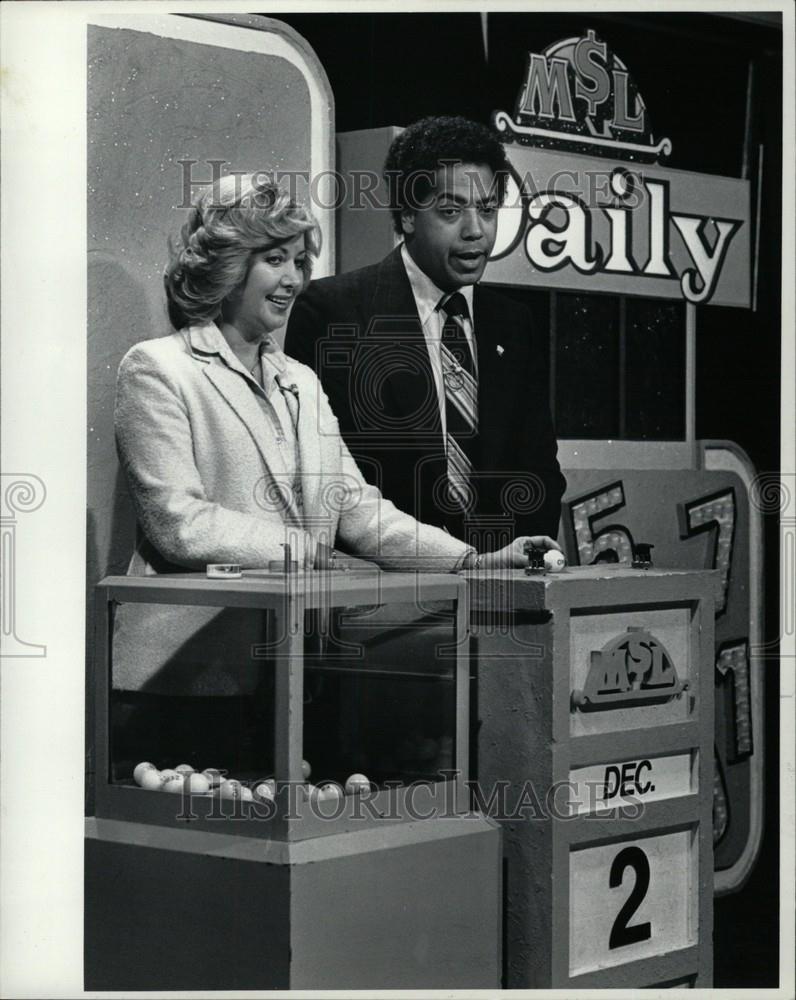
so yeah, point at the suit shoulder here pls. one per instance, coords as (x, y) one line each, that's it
(499, 303)
(156, 355)
(156, 349)
(508, 321)
(340, 287)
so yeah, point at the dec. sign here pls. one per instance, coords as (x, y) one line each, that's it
(572, 219)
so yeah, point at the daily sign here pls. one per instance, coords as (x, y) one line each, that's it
(575, 218)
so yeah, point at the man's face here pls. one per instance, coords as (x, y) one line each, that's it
(451, 236)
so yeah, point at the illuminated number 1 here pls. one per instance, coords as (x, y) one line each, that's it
(621, 934)
(733, 658)
(613, 543)
(721, 806)
(714, 513)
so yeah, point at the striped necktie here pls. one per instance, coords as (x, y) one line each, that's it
(461, 399)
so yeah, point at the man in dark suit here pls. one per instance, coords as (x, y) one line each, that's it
(434, 379)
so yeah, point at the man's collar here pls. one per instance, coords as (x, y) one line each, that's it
(427, 295)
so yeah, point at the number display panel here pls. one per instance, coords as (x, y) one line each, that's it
(697, 518)
(628, 783)
(632, 899)
(608, 699)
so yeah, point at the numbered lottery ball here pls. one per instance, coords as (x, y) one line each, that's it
(196, 784)
(214, 776)
(174, 782)
(554, 561)
(356, 783)
(329, 793)
(306, 770)
(152, 780)
(140, 769)
(184, 768)
(265, 791)
(230, 789)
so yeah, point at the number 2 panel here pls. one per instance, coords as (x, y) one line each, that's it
(632, 899)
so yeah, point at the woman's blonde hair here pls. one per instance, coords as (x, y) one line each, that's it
(234, 219)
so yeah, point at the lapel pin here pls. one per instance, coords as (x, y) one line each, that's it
(500, 350)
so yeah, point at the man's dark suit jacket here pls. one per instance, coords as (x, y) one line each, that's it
(361, 333)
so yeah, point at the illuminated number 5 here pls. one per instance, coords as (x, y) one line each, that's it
(621, 934)
(716, 514)
(613, 543)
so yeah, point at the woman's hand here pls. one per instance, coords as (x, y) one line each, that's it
(513, 556)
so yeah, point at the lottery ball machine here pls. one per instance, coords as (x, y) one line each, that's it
(247, 791)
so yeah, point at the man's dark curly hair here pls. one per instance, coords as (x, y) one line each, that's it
(424, 146)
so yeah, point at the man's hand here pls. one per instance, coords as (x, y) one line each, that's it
(513, 556)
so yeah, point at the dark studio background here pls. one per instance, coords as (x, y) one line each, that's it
(713, 85)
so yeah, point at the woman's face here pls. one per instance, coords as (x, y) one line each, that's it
(276, 276)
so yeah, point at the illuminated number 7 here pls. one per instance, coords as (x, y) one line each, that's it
(714, 513)
(733, 658)
(613, 543)
(721, 807)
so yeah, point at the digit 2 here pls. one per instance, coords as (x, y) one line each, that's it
(621, 934)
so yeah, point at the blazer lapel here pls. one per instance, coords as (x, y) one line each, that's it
(497, 375)
(310, 439)
(410, 383)
(230, 378)
(486, 339)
